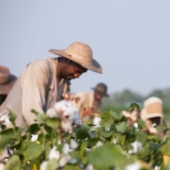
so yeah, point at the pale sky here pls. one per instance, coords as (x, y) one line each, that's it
(129, 38)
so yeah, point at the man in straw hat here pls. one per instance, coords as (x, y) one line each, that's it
(7, 81)
(44, 81)
(90, 102)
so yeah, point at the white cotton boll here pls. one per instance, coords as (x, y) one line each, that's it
(136, 126)
(157, 168)
(60, 106)
(89, 167)
(66, 125)
(66, 148)
(114, 141)
(73, 144)
(134, 166)
(54, 153)
(72, 161)
(64, 159)
(99, 143)
(96, 121)
(34, 137)
(5, 120)
(136, 147)
(154, 125)
(43, 165)
(51, 113)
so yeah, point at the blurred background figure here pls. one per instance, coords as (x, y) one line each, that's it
(7, 81)
(89, 103)
(152, 114)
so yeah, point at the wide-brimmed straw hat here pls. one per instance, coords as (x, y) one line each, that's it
(101, 88)
(152, 108)
(7, 80)
(80, 53)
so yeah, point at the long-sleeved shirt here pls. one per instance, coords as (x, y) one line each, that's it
(38, 88)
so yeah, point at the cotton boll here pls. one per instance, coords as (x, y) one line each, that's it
(136, 125)
(54, 153)
(96, 121)
(89, 167)
(64, 159)
(66, 125)
(43, 165)
(4, 119)
(73, 144)
(52, 113)
(134, 166)
(60, 106)
(34, 137)
(66, 148)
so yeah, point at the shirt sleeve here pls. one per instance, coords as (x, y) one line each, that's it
(34, 82)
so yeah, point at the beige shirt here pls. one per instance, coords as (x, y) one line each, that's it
(85, 101)
(38, 88)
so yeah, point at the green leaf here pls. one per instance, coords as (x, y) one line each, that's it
(82, 132)
(107, 119)
(34, 128)
(31, 150)
(40, 117)
(165, 147)
(12, 117)
(5, 137)
(71, 167)
(52, 122)
(121, 127)
(141, 136)
(14, 163)
(134, 106)
(52, 164)
(106, 156)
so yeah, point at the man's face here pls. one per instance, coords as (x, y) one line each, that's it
(98, 96)
(73, 70)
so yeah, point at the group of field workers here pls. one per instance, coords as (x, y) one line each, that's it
(44, 82)
(44, 86)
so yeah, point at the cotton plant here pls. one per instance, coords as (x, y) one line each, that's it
(4, 119)
(67, 113)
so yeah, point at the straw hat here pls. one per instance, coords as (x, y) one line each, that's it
(101, 88)
(7, 80)
(80, 53)
(152, 108)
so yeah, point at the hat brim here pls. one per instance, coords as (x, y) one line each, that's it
(94, 66)
(106, 95)
(5, 88)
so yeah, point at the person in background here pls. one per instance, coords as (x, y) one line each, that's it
(7, 81)
(89, 103)
(45, 81)
(152, 114)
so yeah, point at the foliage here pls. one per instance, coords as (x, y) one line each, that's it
(103, 148)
